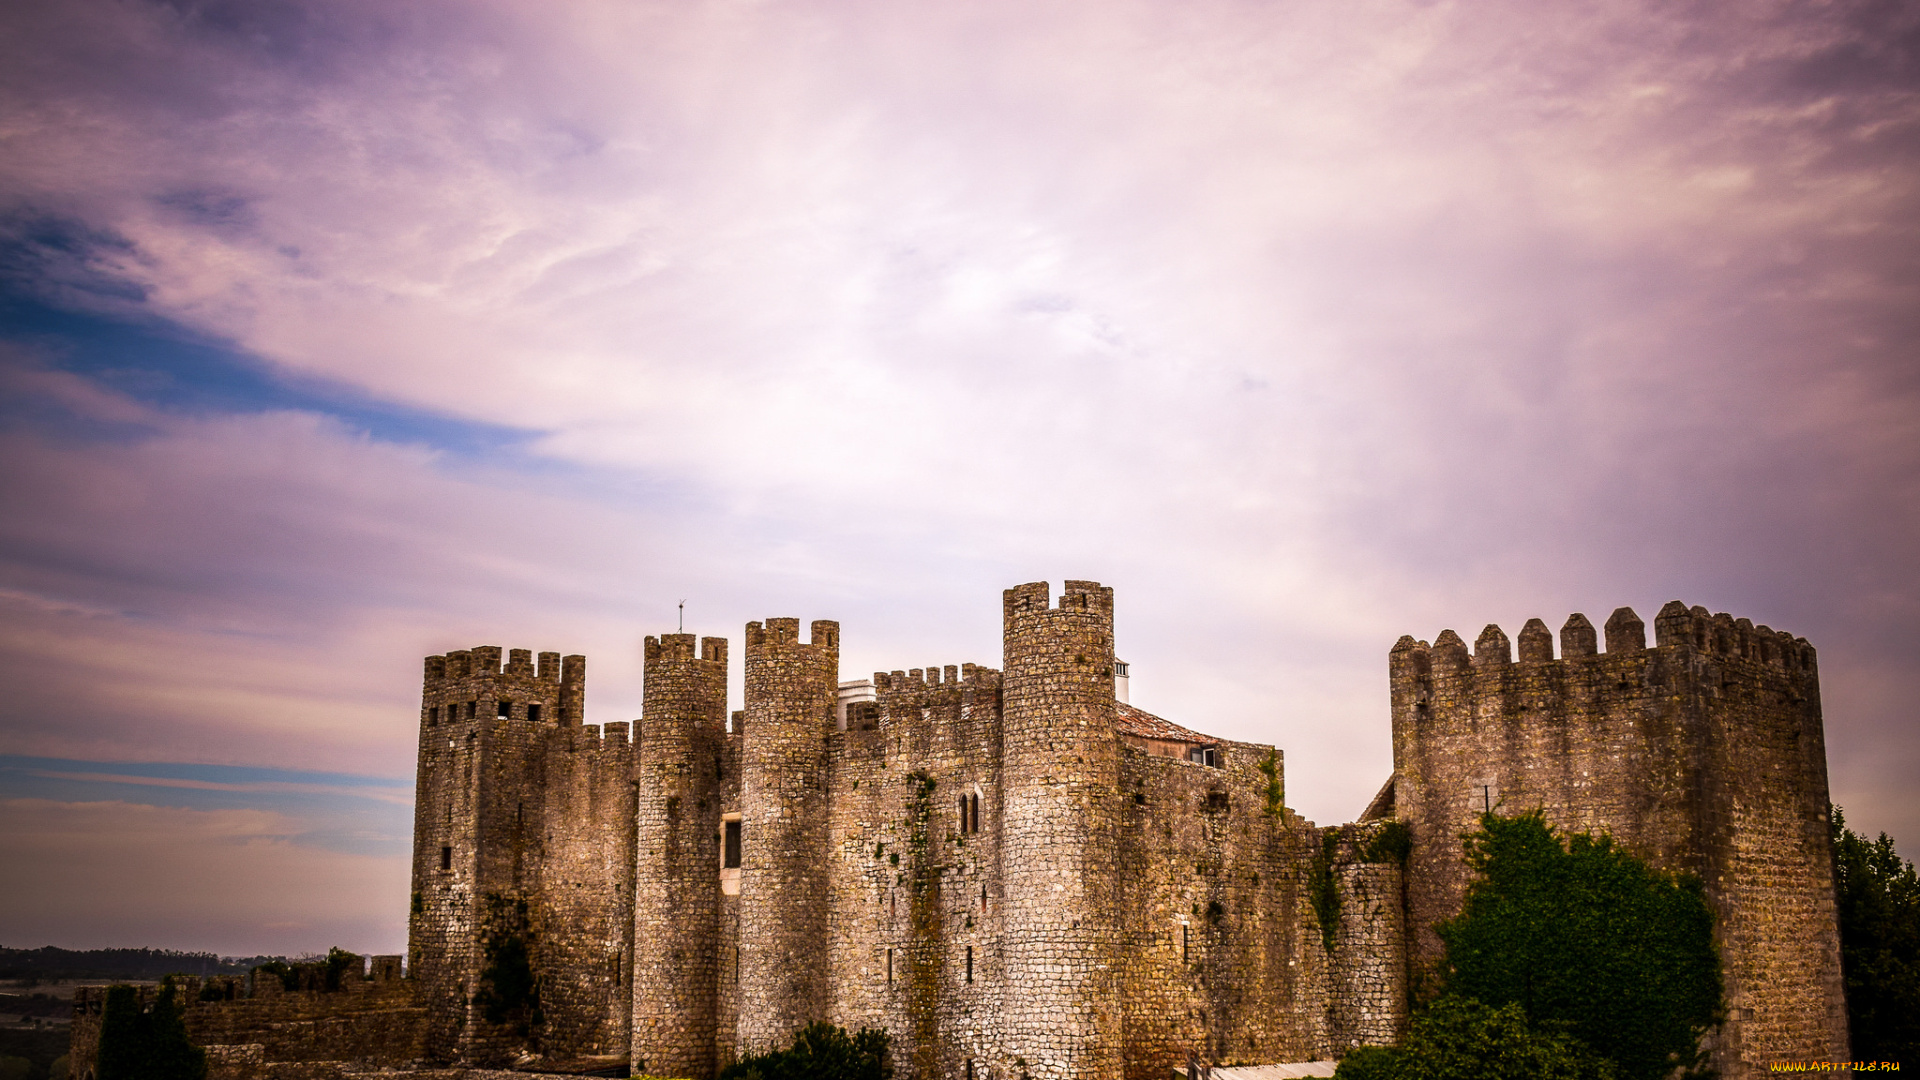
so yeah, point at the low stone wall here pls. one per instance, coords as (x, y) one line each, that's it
(254, 1028)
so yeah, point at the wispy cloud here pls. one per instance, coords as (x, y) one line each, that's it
(340, 334)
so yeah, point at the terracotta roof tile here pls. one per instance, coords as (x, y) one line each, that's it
(1144, 725)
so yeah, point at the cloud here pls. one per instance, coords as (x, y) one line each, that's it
(1305, 325)
(230, 881)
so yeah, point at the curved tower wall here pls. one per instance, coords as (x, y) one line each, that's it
(1703, 754)
(1060, 842)
(676, 856)
(791, 688)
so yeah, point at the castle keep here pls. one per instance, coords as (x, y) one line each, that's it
(1018, 874)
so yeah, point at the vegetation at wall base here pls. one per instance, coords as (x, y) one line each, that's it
(146, 1044)
(1569, 958)
(1461, 1039)
(1582, 934)
(1879, 909)
(821, 1051)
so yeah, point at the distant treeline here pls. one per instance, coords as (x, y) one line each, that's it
(48, 964)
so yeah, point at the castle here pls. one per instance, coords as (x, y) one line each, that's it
(1018, 874)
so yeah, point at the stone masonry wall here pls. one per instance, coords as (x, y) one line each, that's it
(477, 816)
(1220, 958)
(916, 869)
(1059, 863)
(1703, 755)
(790, 693)
(583, 900)
(370, 1019)
(677, 887)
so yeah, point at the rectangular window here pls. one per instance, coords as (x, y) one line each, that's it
(1183, 943)
(1203, 755)
(730, 859)
(976, 813)
(964, 821)
(533, 714)
(506, 708)
(969, 1069)
(969, 971)
(473, 708)
(433, 716)
(446, 858)
(889, 965)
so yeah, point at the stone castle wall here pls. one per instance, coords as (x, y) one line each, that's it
(367, 1017)
(976, 863)
(790, 691)
(1703, 754)
(676, 886)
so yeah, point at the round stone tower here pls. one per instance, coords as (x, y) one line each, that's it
(676, 856)
(791, 687)
(1059, 850)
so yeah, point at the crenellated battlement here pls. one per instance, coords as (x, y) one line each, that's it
(1723, 635)
(952, 676)
(484, 662)
(824, 633)
(1677, 626)
(1077, 597)
(679, 647)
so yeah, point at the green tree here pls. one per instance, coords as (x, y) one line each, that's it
(1461, 1039)
(1587, 940)
(1879, 908)
(14, 1067)
(821, 1051)
(147, 1044)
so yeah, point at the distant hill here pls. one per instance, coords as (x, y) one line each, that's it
(48, 964)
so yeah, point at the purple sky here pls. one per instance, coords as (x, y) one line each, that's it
(334, 335)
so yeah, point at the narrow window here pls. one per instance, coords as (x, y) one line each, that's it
(1183, 943)
(433, 716)
(976, 812)
(963, 815)
(731, 859)
(983, 896)
(889, 965)
(473, 709)
(533, 714)
(446, 858)
(969, 1069)
(969, 979)
(506, 708)
(893, 903)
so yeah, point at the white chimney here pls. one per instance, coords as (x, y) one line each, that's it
(1120, 682)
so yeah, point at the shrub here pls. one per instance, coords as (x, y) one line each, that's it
(1879, 908)
(152, 1044)
(821, 1051)
(1587, 940)
(1462, 1039)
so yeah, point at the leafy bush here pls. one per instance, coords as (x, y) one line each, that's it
(1585, 939)
(1462, 1039)
(821, 1051)
(1879, 907)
